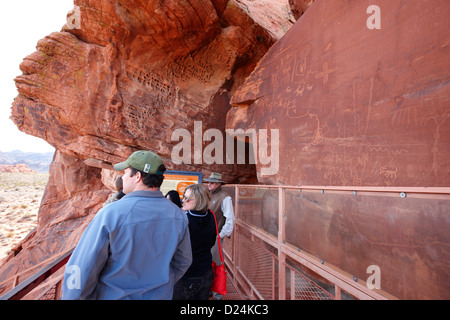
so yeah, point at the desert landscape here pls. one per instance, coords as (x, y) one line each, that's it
(20, 197)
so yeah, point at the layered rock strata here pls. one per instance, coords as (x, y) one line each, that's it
(125, 75)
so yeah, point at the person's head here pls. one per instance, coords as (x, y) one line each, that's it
(196, 197)
(214, 181)
(142, 170)
(173, 196)
(119, 183)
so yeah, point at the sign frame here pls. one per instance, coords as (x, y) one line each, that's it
(190, 177)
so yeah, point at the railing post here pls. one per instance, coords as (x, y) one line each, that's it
(16, 281)
(274, 288)
(337, 293)
(235, 239)
(281, 241)
(292, 289)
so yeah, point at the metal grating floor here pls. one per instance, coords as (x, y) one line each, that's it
(232, 292)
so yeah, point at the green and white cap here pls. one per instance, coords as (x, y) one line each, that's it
(145, 161)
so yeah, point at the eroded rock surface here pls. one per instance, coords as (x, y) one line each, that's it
(360, 106)
(356, 105)
(124, 75)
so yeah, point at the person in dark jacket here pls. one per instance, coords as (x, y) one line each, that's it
(197, 281)
(173, 196)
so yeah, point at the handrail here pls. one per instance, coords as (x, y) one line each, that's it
(334, 274)
(277, 239)
(329, 272)
(39, 277)
(399, 189)
(17, 275)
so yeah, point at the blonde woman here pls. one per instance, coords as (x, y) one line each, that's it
(196, 282)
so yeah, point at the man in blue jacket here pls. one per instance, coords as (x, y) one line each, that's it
(134, 248)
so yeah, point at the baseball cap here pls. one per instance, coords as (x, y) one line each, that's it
(142, 160)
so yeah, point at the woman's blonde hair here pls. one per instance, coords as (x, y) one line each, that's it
(201, 195)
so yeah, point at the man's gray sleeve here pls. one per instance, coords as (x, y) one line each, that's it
(182, 258)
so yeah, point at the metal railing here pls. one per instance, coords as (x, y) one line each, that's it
(49, 268)
(339, 242)
(293, 243)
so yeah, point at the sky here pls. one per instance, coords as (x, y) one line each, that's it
(22, 24)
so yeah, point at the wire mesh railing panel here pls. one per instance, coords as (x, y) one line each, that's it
(305, 289)
(258, 265)
(227, 246)
(50, 294)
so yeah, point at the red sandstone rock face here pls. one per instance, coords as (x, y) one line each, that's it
(137, 70)
(123, 76)
(360, 107)
(353, 105)
(299, 7)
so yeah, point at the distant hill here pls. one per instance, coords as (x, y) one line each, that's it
(37, 161)
(23, 168)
